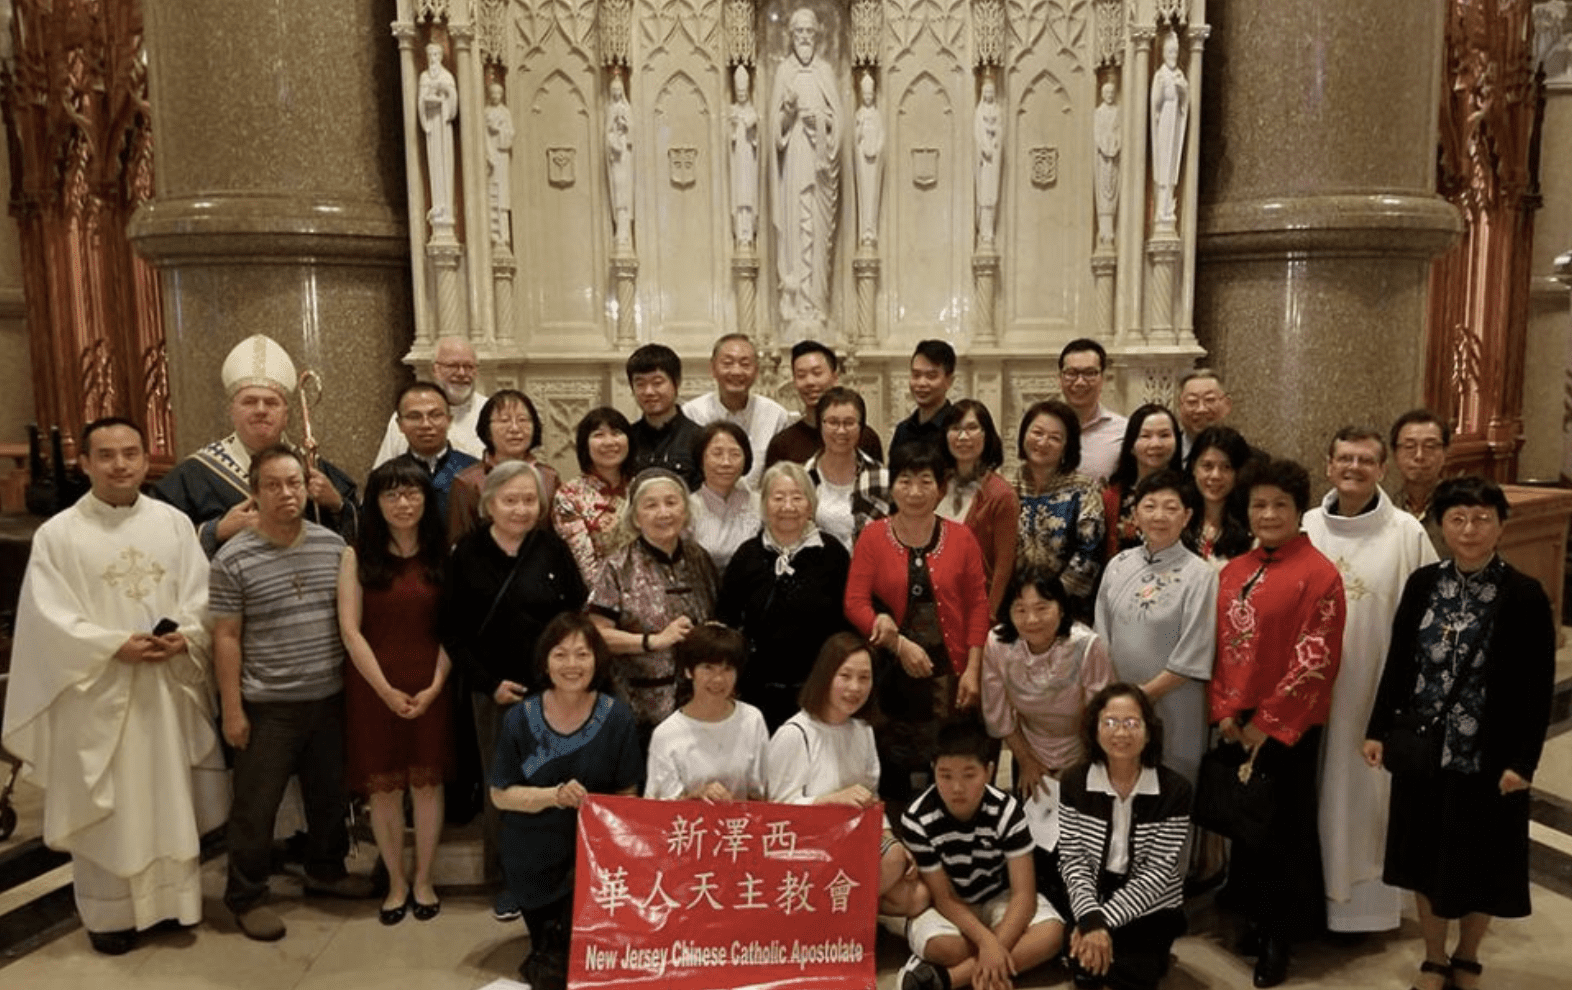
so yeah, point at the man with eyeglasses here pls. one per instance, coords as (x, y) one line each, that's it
(1203, 402)
(424, 421)
(1081, 366)
(1420, 440)
(1375, 547)
(454, 366)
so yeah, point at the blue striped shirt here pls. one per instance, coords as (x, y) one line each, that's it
(287, 600)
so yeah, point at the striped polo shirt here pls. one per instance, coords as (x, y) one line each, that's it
(974, 854)
(287, 600)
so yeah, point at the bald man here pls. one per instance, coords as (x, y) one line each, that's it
(453, 367)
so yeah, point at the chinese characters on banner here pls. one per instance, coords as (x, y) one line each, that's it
(689, 895)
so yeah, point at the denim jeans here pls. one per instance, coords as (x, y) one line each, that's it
(301, 738)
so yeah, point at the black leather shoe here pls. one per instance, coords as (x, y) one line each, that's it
(1249, 943)
(425, 912)
(393, 915)
(1272, 968)
(113, 943)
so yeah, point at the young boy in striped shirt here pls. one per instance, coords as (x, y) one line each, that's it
(973, 850)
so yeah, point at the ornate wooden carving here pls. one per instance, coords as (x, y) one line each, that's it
(1491, 110)
(81, 153)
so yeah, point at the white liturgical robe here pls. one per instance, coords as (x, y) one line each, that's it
(126, 753)
(1375, 552)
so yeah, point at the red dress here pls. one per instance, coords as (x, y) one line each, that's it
(385, 752)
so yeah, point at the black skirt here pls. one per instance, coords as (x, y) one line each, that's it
(1462, 844)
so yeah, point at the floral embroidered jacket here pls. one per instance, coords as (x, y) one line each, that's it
(1280, 619)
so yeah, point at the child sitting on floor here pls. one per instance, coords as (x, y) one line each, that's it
(973, 848)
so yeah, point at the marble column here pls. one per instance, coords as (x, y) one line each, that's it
(1317, 219)
(1547, 365)
(279, 205)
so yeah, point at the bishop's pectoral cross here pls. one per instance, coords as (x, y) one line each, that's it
(136, 574)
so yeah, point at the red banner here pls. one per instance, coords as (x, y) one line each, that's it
(690, 895)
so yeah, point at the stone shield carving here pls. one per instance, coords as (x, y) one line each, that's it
(682, 161)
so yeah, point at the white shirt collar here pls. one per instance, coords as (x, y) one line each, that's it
(1098, 782)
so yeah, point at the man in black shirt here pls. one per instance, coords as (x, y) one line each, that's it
(932, 374)
(663, 436)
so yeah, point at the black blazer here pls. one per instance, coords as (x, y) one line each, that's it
(1519, 670)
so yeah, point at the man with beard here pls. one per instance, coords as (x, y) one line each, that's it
(806, 119)
(454, 366)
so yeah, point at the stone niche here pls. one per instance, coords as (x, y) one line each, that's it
(1003, 174)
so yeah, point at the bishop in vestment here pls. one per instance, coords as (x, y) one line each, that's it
(109, 703)
(211, 485)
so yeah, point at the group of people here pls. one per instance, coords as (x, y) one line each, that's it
(732, 604)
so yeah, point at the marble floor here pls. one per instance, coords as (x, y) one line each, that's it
(340, 945)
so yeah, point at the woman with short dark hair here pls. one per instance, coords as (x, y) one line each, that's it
(712, 748)
(584, 511)
(1039, 669)
(509, 429)
(1157, 610)
(1280, 614)
(559, 745)
(1124, 818)
(1473, 658)
(724, 511)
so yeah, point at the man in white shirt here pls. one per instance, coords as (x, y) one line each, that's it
(454, 366)
(109, 705)
(734, 364)
(1082, 363)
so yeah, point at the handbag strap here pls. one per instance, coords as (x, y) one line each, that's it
(506, 583)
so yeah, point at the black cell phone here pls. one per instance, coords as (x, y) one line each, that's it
(165, 626)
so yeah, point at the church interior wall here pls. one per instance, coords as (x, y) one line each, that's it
(16, 377)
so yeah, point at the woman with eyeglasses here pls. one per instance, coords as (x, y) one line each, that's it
(1473, 656)
(979, 497)
(509, 430)
(853, 488)
(1123, 821)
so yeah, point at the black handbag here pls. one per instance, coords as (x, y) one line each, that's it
(1412, 747)
(1233, 796)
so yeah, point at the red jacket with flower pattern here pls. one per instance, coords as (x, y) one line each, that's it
(1279, 638)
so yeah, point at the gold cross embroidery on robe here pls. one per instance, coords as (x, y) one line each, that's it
(139, 575)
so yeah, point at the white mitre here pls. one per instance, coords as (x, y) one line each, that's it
(258, 360)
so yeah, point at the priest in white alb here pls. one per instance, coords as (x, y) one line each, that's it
(1375, 547)
(109, 703)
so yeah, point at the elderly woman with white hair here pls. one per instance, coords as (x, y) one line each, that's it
(505, 581)
(783, 589)
(650, 593)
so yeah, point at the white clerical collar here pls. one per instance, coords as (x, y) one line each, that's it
(1098, 782)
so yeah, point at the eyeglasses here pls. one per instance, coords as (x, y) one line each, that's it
(1349, 460)
(966, 429)
(842, 425)
(1459, 519)
(1114, 724)
(413, 496)
(1082, 374)
(512, 421)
